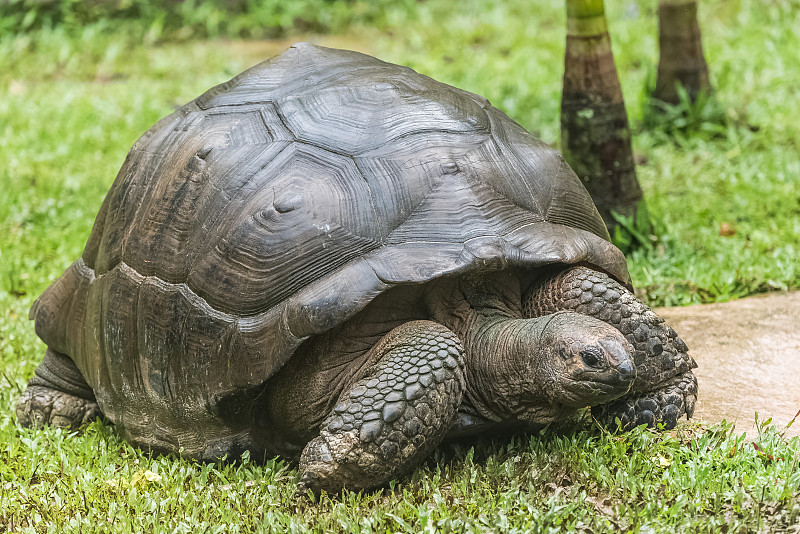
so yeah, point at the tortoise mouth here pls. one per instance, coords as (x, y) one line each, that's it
(588, 392)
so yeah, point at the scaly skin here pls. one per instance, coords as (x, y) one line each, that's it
(57, 395)
(393, 417)
(665, 387)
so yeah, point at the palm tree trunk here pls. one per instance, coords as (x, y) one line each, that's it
(595, 137)
(681, 50)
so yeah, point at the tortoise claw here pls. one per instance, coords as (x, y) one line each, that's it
(660, 408)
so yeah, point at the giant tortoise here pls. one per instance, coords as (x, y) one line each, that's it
(339, 259)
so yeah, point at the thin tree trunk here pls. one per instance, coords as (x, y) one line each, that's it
(681, 50)
(595, 137)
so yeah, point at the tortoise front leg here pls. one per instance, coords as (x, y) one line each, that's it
(665, 387)
(57, 395)
(392, 417)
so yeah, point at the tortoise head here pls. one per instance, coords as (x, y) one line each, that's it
(540, 368)
(581, 360)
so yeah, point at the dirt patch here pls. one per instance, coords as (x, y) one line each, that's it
(748, 353)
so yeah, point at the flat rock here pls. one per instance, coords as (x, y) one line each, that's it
(748, 356)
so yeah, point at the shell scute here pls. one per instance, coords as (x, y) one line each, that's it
(403, 174)
(252, 265)
(353, 117)
(165, 191)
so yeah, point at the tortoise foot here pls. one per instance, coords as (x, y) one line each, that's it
(40, 406)
(659, 409)
(57, 395)
(392, 417)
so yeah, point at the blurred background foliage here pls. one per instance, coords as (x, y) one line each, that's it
(176, 20)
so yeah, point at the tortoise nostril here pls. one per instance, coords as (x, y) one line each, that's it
(626, 370)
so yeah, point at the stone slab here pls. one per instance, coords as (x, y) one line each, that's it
(748, 356)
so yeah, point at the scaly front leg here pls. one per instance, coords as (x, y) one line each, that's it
(393, 416)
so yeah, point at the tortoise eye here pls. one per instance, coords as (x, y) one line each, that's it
(592, 357)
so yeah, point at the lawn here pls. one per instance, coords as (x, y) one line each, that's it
(76, 94)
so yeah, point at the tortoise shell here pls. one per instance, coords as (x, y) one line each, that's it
(279, 204)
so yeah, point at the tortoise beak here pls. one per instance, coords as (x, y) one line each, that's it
(626, 371)
(620, 359)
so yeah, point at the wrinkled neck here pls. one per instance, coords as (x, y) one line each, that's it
(499, 384)
(504, 382)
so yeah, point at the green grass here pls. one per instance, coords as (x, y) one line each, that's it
(74, 97)
(585, 481)
(186, 19)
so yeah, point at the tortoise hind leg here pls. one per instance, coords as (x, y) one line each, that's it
(665, 387)
(393, 416)
(57, 395)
